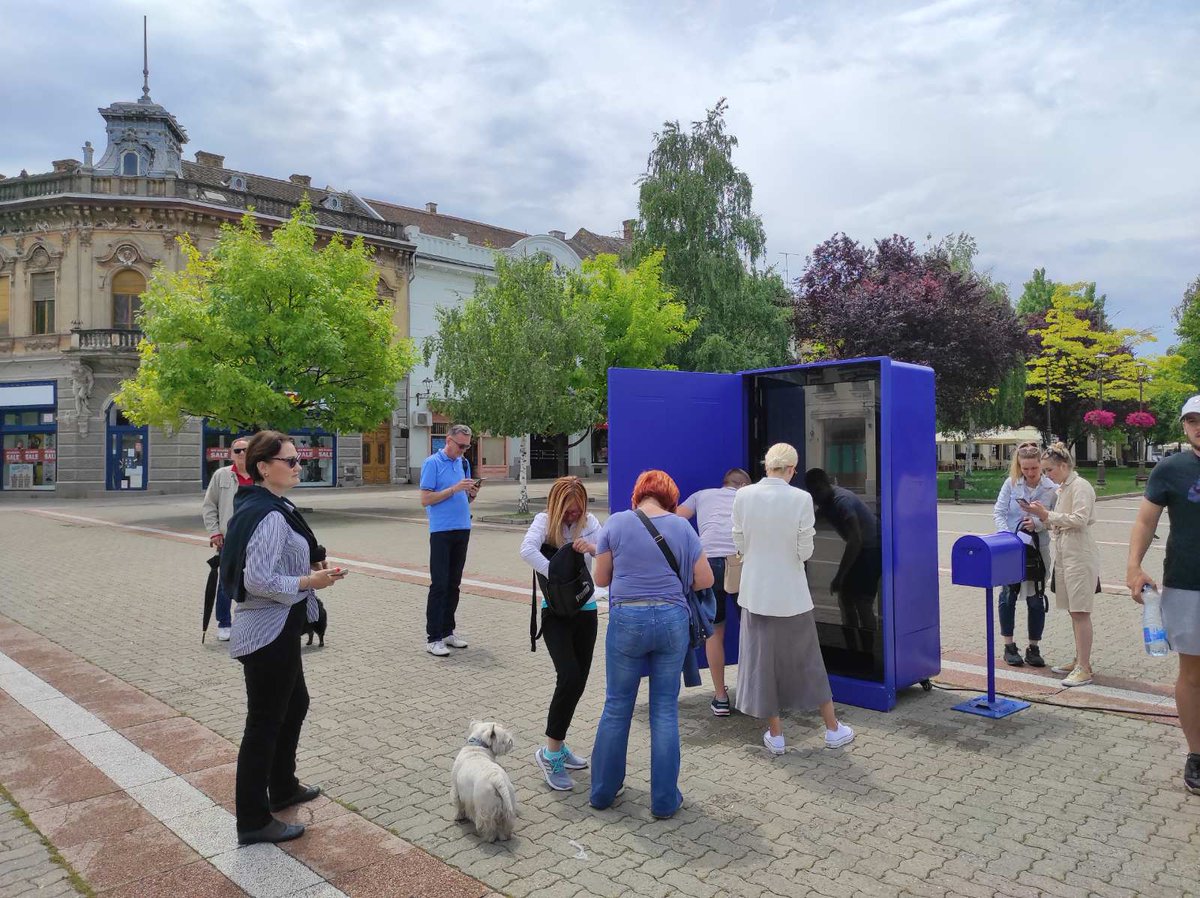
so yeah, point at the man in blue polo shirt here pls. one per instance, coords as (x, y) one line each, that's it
(447, 491)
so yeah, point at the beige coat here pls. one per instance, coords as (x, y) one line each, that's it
(1076, 555)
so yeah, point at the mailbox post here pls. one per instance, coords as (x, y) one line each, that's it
(992, 560)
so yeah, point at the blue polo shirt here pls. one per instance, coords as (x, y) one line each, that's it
(438, 473)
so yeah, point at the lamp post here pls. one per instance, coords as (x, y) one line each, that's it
(1100, 358)
(1049, 435)
(1141, 372)
(427, 383)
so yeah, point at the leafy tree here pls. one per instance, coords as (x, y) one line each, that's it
(1036, 295)
(1074, 355)
(1187, 327)
(638, 317)
(695, 204)
(931, 309)
(268, 332)
(520, 356)
(1168, 387)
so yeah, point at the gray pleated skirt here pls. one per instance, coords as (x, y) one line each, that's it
(780, 666)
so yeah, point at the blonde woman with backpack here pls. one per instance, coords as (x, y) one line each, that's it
(569, 640)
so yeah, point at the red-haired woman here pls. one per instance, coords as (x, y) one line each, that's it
(647, 627)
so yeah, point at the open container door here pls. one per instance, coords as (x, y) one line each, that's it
(693, 426)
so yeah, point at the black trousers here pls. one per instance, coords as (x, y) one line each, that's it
(276, 705)
(570, 642)
(447, 558)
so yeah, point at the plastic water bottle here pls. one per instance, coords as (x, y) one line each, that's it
(1152, 623)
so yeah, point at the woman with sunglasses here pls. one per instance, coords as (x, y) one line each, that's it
(1024, 485)
(271, 564)
(217, 511)
(1076, 556)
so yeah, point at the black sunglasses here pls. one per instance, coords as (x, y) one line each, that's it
(239, 451)
(463, 446)
(291, 461)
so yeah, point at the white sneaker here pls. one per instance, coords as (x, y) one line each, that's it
(1078, 677)
(455, 641)
(437, 647)
(775, 744)
(223, 634)
(843, 735)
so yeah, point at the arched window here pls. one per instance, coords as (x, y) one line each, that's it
(130, 163)
(127, 289)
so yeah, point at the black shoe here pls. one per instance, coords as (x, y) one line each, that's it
(720, 706)
(275, 831)
(1012, 655)
(1191, 774)
(1033, 657)
(301, 795)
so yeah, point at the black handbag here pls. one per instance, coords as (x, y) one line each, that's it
(1035, 571)
(567, 587)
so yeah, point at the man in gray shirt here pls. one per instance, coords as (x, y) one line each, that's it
(713, 510)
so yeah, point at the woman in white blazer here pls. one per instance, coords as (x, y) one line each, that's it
(780, 666)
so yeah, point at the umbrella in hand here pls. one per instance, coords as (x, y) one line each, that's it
(210, 592)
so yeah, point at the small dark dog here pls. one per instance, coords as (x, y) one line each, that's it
(317, 627)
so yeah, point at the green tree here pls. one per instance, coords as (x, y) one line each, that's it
(521, 356)
(695, 204)
(1168, 387)
(268, 332)
(638, 317)
(1036, 294)
(1187, 327)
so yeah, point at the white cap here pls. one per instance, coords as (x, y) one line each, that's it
(1191, 407)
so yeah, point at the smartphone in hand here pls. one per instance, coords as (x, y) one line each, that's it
(1024, 504)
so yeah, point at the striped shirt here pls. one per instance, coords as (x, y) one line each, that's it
(276, 558)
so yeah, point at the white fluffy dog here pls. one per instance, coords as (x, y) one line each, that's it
(479, 787)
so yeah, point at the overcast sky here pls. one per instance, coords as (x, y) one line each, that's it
(1059, 134)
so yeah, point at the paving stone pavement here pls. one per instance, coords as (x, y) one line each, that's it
(925, 802)
(26, 868)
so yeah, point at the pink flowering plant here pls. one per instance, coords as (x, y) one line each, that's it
(1140, 420)
(1100, 419)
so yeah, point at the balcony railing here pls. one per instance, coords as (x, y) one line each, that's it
(56, 183)
(112, 338)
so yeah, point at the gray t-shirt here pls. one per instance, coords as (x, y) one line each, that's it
(714, 519)
(1175, 484)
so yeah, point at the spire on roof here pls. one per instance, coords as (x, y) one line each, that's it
(145, 65)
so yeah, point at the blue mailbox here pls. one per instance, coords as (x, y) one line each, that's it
(994, 559)
(869, 424)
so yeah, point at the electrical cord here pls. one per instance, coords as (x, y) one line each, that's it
(1042, 701)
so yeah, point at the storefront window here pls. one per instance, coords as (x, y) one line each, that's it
(317, 450)
(30, 461)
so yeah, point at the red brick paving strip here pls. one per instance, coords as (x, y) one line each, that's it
(121, 850)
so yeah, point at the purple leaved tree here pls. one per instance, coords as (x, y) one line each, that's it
(889, 299)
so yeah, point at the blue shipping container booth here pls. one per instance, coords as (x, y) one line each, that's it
(869, 424)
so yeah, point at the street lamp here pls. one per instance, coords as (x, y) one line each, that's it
(427, 383)
(1049, 435)
(1141, 380)
(1100, 359)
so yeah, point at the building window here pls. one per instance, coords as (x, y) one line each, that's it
(4, 307)
(127, 289)
(42, 287)
(130, 163)
(28, 437)
(332, 202)
(237, 182)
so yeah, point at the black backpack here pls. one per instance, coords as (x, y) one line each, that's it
(567, 587)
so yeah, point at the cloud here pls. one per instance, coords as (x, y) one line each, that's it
(1058, 135)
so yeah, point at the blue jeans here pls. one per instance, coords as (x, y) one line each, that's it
(1008, 612)
(222, 606)
(637, 635)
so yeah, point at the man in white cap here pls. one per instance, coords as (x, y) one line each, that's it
(1175, 485)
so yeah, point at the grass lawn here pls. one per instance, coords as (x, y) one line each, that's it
(984, 486)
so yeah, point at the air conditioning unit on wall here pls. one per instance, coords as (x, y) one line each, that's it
(422, 418)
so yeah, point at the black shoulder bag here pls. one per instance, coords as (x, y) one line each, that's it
(567, 587)
(702, 606)
(1035, 570)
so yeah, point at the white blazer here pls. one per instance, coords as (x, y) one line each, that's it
(773, 527)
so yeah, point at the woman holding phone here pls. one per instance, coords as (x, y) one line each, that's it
(270, 565)
(1024, 485)
(1076, 556)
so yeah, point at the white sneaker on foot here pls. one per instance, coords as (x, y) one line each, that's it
(1078, 677)
(437, 647)
(775, 744)
(455, 641)
(843, 735)
(1063, 668)
(223, 633)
